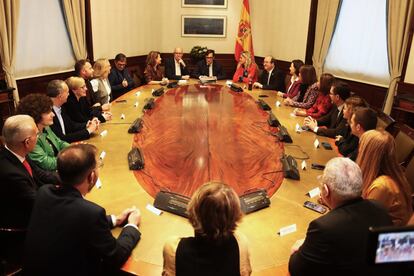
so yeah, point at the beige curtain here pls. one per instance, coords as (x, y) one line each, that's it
(325, 25)
(74, 11)
(399, 15)
(9, 15)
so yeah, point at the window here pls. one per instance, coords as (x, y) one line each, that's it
(358, 49)
(43, 44)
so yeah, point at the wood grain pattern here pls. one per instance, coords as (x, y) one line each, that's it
(197, 134)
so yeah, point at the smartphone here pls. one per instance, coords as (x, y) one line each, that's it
(317, 166)
(315, 207)
(120, 101)
(326, 145)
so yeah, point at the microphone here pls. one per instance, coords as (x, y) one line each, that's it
(149, 104)
(290, 167)
(283, 135)
(236, 88)
(273, 121)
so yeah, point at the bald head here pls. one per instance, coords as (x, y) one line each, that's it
(75, 163)
(18, 128)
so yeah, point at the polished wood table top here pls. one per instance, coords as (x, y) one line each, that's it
(197, 134)
(255, 152)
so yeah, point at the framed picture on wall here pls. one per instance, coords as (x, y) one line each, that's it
(203, 26)
(220, 4)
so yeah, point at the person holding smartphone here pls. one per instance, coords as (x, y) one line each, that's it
(336, 242)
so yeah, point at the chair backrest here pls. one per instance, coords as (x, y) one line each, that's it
(386, 122)
(409, 173)
(404, 141)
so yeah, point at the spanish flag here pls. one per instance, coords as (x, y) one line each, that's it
(244, 41)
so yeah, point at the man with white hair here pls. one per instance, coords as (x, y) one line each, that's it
(19, 180)
(175, 68)
(336, 243)
(19, 177)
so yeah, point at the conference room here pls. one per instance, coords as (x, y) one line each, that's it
(193, 131)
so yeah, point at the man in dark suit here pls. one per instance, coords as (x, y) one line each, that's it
(209, 68)
(271, 78)
(69, 235)
(63, 126)
(19, 180)
(333, 123)
(336, 243)
(119, 77)
(175, 68)
(17, 184)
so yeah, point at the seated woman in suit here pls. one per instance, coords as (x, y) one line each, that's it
(293, 88)
(77, 106)
(153, 73)
(246, 69)
(323, 103)
(308, 91)
(384, 180)
(48, 145)
(100, 84)
(214, 211)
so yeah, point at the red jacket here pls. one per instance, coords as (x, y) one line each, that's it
(252, 74)
(321, 107)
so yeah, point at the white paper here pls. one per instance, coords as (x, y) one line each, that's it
(122, 116)
(153, 209)
(104, 133)
(298, 128)
(102, 155)
(182, 82)
(98, 184)
(303, 165)
(138, 93)
(316, 143)
(314, 192)
(229, 82)
(287, 230)
(277, 104)
(136, 104)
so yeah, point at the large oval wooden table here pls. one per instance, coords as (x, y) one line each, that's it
(226, 138)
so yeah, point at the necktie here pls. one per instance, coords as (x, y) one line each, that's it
(27, 166)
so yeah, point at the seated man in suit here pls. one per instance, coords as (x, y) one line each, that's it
(271, 78)
(336, 243)
(209, 68)
(78, 239)
(63, 126)
(84, 70)
(333, 123)
(362, 120)
(119, 77)
(175, 68)
(19, 180)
